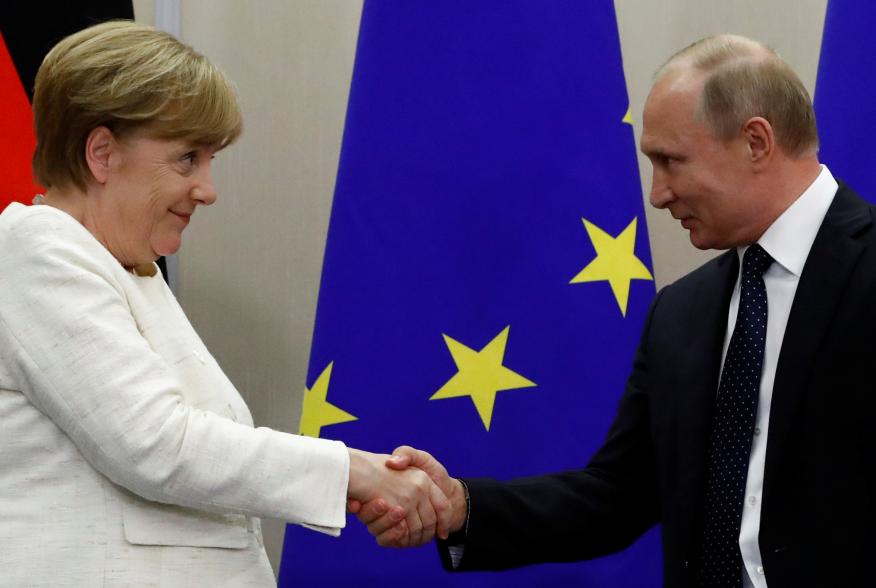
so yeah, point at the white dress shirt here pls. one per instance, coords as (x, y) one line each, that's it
(788, 240)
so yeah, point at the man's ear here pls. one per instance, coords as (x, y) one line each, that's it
(761, 140)
(99, 147)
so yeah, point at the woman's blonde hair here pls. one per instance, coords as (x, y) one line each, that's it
(125, 76)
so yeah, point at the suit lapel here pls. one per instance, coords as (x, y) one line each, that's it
(834, 255)
(708, 325)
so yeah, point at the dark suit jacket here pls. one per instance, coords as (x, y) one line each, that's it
(818, 518)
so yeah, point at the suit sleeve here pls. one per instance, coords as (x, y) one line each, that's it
(78, 356)
(572, 515)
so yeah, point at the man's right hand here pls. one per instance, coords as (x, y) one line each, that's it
(405, 496)
(384, 522)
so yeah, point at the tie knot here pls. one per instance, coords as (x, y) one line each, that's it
(756, 260)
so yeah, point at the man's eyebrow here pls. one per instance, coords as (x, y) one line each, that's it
(659, 152)
(651, 151)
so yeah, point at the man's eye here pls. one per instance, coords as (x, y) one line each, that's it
(661, 160)
(190, 158)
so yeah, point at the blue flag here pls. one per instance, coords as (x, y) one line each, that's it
(486, 273)
(844, 95)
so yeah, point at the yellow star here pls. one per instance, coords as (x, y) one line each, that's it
(628, 117)
(615, 261)
(481, 375)
(317, 411)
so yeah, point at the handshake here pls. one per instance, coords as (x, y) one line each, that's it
(405, 499)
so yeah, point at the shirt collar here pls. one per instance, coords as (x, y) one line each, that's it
(790, 237)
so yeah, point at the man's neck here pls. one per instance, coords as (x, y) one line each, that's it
(794, 177)
(785, 184)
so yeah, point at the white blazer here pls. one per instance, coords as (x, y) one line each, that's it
(127, 458)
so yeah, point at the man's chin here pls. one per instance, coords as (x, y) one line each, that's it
(700, 241)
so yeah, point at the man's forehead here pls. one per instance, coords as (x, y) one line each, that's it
(678, 83)
(669, 113)
(661, 106)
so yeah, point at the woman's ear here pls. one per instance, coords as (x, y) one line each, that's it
(99, 146)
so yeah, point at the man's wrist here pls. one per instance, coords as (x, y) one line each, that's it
(460, 505)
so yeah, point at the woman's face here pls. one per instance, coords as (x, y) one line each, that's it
(153, 187)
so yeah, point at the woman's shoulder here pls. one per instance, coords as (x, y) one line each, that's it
(42, 224)
(19, 219)
(41, 234)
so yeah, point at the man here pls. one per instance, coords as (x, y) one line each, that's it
(746, 429)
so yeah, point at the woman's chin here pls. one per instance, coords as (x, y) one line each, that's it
(167, 247)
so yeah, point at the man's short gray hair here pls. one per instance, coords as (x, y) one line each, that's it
(744, 79)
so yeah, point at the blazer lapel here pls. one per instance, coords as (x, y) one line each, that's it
(833, 256)
(708, 325)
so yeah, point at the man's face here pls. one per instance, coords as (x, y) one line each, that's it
(703, 181)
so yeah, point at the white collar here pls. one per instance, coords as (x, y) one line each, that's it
(790, 237)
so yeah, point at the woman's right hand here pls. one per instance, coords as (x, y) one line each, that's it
(408, 496)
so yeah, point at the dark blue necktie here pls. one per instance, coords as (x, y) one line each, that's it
(732, 428)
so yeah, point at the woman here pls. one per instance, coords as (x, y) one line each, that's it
(126, 455)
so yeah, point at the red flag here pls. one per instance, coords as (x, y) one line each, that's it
(17, 140)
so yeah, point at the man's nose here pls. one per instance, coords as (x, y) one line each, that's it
(661, 194)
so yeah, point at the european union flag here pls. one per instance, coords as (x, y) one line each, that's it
(486, 272)
(844, 94)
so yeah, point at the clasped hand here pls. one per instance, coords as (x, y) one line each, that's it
(405, 499)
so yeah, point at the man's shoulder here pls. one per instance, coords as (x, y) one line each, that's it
(849, 216)
(706, 275)
(847, 199)
(697, 294)
(845, 190)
